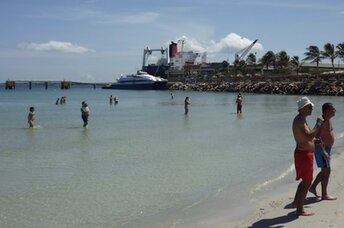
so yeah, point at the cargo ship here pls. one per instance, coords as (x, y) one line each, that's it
(171, 60)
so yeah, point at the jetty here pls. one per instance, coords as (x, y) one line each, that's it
(12, 84)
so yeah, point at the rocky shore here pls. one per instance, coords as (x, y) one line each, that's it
(331, 85)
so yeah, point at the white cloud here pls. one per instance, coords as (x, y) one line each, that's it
(56, 46)
(231, 43)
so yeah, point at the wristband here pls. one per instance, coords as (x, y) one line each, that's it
(319, 122)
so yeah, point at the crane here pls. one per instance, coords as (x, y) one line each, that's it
(243, 52)
(148, 51)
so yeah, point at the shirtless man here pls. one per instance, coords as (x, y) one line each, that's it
(322, 152)
(239, 103)
(31, 117)
(186, 105)
(85, 112)
(303, 155)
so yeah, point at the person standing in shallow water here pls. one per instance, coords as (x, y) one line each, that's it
(303, 154)
(116, 99)
(322, 152)
(186, 105)
(239, 103)
(31, 117)
(85, 112)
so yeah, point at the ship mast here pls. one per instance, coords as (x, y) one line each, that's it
(182, 41)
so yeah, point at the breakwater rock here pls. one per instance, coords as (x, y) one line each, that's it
(331, 87)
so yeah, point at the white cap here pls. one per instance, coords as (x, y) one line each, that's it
(304, 101)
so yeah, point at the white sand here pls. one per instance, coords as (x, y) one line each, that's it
(274, 211)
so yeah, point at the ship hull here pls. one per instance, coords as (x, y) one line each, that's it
(161, 71)
(137, 86)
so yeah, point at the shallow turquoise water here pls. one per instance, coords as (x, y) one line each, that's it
(141, 161)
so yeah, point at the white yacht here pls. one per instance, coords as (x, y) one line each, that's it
(139, 81)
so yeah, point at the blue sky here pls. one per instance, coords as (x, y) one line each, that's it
(97, 40)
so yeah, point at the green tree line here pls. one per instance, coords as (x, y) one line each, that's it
(281, 60)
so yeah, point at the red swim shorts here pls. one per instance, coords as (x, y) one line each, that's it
(304, 165)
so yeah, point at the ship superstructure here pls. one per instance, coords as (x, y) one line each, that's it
(171, 61)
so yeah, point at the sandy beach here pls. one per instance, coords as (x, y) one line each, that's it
(275, 210)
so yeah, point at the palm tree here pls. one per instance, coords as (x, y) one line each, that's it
(268, 59)
(330, 53)
(224, 66)
(251, 59)
(314, 55)
(340, 51)
(282, 59)
(240, 66)
(296, 64)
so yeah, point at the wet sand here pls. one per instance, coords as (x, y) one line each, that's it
(275, 210)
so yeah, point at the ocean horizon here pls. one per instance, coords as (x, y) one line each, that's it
(142, 162)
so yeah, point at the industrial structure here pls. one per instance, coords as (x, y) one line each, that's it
(177, 63)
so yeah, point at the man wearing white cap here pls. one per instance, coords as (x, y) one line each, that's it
(303, 154)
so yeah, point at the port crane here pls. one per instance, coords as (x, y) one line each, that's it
(148, 51)
(243, 52)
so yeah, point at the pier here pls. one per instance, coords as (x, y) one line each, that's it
(12, 84)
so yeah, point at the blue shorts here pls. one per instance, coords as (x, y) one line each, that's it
(321, 162)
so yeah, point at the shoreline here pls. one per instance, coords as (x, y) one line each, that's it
(275, 211)
(218, 212)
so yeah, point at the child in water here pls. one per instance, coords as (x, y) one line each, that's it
(31, 117)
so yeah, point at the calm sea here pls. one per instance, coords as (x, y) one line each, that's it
(142, 163)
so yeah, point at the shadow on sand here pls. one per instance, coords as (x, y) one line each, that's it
(308, 201)
(282, 220)
(275, 222)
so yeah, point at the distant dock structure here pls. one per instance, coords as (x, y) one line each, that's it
(12, 84)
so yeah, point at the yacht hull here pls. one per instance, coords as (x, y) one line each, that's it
(138, 86)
